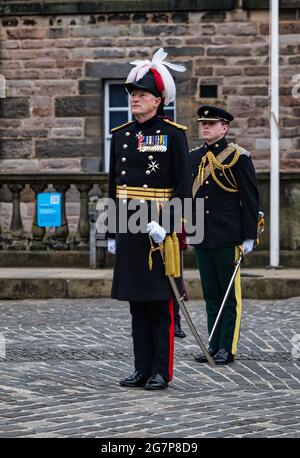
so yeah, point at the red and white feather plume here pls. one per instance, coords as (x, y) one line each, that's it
(163, 78)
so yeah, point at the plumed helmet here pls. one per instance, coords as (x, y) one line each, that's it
(154, 77)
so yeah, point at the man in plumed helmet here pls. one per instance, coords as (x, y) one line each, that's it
(149, 165)
(224, 176)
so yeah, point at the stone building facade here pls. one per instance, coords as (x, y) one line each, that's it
(56, 65)
(57, 56)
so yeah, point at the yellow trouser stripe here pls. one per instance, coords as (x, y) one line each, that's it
(238, 297)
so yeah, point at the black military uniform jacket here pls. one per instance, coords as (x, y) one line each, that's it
(229, 218)
(130, 167)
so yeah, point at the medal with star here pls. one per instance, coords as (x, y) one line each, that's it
(153, 166)
(140, 138)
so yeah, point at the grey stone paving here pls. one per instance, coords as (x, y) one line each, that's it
(62, 360)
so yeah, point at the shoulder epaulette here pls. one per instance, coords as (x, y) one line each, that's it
(115, 129)
(242, 150)
(172, 123)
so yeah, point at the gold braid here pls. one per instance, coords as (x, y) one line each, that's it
(214, 163)
(152, 249)
(233, 184)
(221, 166)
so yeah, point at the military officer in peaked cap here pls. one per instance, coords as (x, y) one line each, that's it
(149, 163)
(224, 176)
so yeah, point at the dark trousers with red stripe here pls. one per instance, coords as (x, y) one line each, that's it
(153, 337)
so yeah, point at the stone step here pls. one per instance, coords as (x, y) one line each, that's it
(80, 258)
(46, 283)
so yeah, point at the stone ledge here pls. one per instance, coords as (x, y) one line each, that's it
(85, 283)
(34, 288)
(80, 259)
(52, 7)
(47, 258)
(109, 6)
(264, 4)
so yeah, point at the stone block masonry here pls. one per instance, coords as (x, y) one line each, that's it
(55, 67)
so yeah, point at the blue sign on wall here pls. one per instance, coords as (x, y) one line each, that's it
(49, 209)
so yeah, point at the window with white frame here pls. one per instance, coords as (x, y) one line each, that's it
(117, 111)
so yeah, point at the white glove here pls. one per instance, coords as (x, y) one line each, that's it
(111, 246)
(247, 246)
(157, 232)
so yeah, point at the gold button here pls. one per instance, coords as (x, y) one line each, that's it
(123, 172)
(206, 197)
(124, 186)
(207, 212)
(145, 186)
(148, 172)
(221, 174)
(123, 159)
(217, 145)
(127, 134)
(158, 131)
(207, 182)
(150, 158)
(125, 146)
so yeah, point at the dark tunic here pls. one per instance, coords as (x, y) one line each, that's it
(229, 218)
(133, 281)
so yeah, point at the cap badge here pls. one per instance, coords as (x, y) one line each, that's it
(206, 112)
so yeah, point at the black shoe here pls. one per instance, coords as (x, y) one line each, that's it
(134, 380)
(178, 332)
(156, 382)
(201, 358)
(223, 357)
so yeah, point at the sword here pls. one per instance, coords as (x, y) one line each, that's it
(237, 266)
(183, 309)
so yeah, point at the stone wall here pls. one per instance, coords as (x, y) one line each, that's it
(56, 64)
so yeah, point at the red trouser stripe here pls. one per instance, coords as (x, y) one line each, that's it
(171, 339)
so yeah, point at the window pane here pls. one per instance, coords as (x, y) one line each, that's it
(116, 118)
(209, 91)
(118, 96)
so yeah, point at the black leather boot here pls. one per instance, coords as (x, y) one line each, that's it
(178, 332)
(156, 382)
(134, 380)
(223, 357)
(201, 358)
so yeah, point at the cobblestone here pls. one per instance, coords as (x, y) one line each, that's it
(64, 358)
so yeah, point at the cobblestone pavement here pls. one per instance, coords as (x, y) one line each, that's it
(64, 358)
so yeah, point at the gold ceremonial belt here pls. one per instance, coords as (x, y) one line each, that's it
(134, 192)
